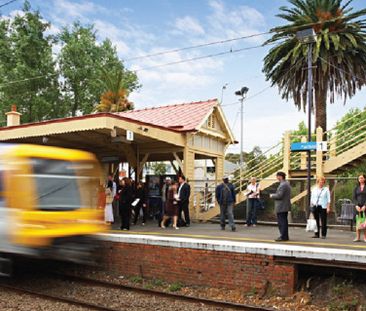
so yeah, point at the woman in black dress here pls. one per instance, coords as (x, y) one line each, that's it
(125, 200)
(171, 206)
(359, 199)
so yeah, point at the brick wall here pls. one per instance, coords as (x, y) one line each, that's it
(202, 267)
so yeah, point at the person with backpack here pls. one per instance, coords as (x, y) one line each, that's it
(225, 196)
(252, 193)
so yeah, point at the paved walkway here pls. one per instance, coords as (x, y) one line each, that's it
(264, 234)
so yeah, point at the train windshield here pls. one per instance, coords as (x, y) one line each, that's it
(63, 185)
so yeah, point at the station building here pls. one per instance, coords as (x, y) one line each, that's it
(182, 134)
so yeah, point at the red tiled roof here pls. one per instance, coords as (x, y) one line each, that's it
(180, 117)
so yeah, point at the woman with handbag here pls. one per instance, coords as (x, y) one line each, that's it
(320, 205)
(359, 199)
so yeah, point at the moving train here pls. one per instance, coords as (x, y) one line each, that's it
(48, 203)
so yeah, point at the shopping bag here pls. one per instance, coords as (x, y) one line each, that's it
(311, 224)
(360, 221)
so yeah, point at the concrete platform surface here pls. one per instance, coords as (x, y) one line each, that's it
(336, 239)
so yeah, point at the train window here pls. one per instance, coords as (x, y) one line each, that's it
(56, 184)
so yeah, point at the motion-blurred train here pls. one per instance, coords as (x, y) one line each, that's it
(48, 203)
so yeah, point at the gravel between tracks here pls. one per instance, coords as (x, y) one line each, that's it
(12, 301)
(114, 298)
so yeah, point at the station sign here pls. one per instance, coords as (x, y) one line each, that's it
(129, 135)
(309, 146)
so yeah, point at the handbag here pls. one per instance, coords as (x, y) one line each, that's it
(313, 207)
(311, 224)
(360, 221)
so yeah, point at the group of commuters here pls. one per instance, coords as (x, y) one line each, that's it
(320, 205)
(130, 200)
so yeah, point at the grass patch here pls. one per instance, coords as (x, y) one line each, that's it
(157, 282)
(136, 279)
(175, 287)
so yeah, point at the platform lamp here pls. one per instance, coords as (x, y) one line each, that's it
(242, 93)
(308, 36)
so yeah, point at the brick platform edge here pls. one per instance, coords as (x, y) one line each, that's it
(219, 269)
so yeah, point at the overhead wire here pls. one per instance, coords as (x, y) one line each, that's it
(7, 3)
(228, 40)
(196, 46)
(186, 60)
(27, 79)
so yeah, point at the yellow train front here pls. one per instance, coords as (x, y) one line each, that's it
(48, 202)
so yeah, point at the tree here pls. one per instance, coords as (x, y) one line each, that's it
(27, 68)
(81, 61)
(114, 99)
(251, 159)
(159, 168)
(339, 54)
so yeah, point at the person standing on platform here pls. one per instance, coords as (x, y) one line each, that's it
(359, 199)
(225, 196)
(253, 192)
(114, 193)
(125, 200)
(320, 203)
(171, 206)
(140, 203)
(108, 210)
(184, 192)
(164, 194)
(282, 199)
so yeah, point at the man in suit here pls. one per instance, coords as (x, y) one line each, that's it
(184, 192)
(282, 199)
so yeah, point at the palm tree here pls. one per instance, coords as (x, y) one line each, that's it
(339, 54)
(114, 99)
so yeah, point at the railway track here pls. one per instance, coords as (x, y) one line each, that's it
(70, 301)
(152, 292)
(85, 281)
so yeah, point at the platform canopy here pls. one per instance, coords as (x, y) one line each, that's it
(179, 133)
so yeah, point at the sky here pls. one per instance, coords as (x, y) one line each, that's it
(143, 27)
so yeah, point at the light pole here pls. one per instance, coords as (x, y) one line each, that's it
(308, 37)
(242, 93)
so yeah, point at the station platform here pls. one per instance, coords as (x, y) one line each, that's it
(340, 239)
(337, 247)
(203, 255)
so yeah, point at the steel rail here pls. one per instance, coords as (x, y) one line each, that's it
(70, 301)
(152, 292)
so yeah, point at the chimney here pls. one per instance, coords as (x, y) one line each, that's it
(13, 117)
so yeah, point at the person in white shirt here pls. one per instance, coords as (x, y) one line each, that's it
(114, 192)
(320, 205)
(253, 194)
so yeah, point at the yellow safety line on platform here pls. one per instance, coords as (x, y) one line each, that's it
(237, 239)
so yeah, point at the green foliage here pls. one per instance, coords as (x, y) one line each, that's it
(157, 282)
(175, 287)
(339, 54)
(84, 64)
(159, 168)
(136, 279)
(251, 158)
(343, 296)
(47, 87)
(350, 129)
(26, 56)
